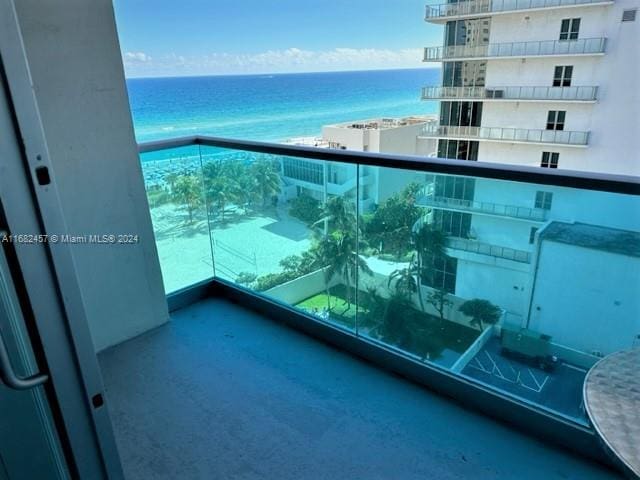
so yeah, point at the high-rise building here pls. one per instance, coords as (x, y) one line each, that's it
(546, 83)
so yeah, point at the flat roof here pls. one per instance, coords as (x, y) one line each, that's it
(385, 123)
(596, 237)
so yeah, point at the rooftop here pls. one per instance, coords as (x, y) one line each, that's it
(386, 123)
(622, 242)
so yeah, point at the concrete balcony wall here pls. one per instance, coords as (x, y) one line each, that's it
(534, 115)
(78, 79)
(539, 71)
(545, 24)
(589, 274)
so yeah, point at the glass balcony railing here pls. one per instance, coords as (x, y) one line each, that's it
(486, 208)
(496, 251)
(480, 7)
(499, 134)
(553, 94)
(583, 46)
(512, 311)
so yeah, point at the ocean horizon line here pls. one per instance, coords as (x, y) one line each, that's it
(280, 74)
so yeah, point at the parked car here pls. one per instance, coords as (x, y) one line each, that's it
(528, 346)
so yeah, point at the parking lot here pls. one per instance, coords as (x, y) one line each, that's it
(559, 390)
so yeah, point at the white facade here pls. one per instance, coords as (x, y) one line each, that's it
(397, 135)
(611, 120)
(559, 289)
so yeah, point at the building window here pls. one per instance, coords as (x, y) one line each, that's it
(470, 32)
(303, 170)
(550, 159)
(464, 74)
(459, 188)
(442, 274)
(569, 29)
(543, 200)
(458, 149)
(555, 119)
(453, 224)
(461, 114)
(562, 76)
(532, 235)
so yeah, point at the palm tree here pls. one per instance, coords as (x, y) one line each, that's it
(431, 247)
(337, 214)
(171, 178)
(481, 312)
(267, 179)
(222, 180)
(405, 278)
(188, 191)
(337, 253)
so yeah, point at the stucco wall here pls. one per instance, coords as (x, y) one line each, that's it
(587, 299)
(74, 57)
(612, 121)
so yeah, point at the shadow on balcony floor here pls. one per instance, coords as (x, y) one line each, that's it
(221, 393)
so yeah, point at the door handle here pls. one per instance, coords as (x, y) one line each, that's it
(8, 375)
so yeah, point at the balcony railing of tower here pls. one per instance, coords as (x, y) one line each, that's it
(542, 93)
(582, 46)
(499, 134)
(473, 7)
(488, 208)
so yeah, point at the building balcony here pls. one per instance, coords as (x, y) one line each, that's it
(473, 8)
(483, 208)
(509, 135)
(232, 364)
(513, 94)
(545, 48)
(222, 389)
(505, 253)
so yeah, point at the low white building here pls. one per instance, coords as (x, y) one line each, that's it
(320, 179)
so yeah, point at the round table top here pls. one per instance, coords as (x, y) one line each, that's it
(612, 401)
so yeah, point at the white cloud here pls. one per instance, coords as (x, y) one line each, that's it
(135, 58)
(139, 64)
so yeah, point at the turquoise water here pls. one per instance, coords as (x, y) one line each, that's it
(273, 107)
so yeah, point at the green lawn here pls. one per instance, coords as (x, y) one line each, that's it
(404, 327)
(341, 312)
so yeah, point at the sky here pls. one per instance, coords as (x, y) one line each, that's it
(218, 37)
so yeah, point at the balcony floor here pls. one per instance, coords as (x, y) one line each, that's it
(221, 392)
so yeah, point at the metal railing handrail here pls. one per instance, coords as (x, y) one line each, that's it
(580, 46)
(490, 208)
(508, 134)
(577, 93)
(472, 7)
(516, 173)
(481, 248)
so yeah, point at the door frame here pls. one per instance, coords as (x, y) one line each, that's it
(32, 206)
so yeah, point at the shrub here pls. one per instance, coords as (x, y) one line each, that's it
(246, 278)
(305, 208)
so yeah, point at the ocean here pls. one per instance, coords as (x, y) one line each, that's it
(273, 107)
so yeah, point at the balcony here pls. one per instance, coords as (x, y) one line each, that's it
(354, 284)
(483, 208)
(473, 8)
(222, 389)
(496, 251)
(509, 135)
(545, 48)
(513, 94)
